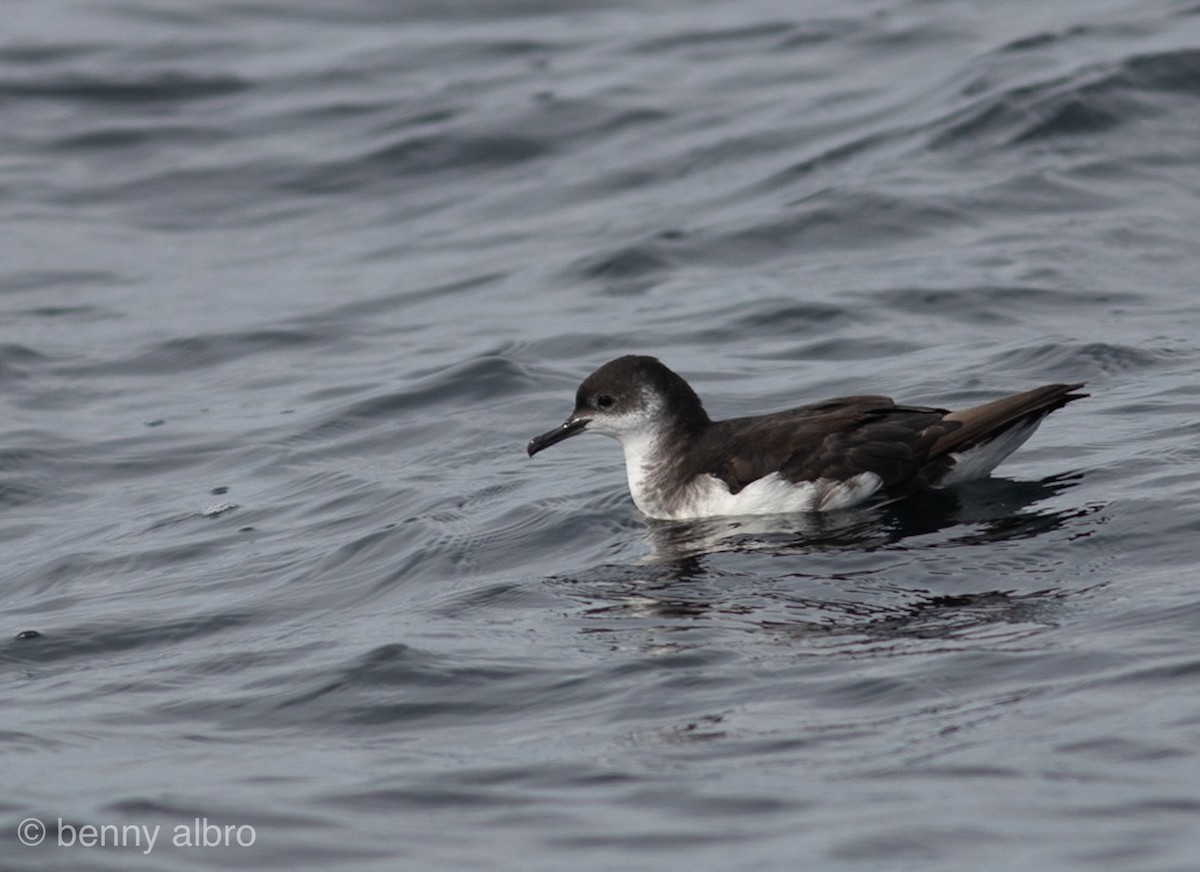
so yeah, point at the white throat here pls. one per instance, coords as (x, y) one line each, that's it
(640, 450)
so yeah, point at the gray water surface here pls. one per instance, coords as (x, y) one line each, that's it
(286, 286)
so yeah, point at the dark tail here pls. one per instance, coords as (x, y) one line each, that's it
(981, 423)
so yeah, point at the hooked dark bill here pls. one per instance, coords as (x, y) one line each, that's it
(567, 429)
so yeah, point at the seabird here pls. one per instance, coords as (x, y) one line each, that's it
(828, 455)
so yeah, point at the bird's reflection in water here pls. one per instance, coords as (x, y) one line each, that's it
(995, 509)
(858, 581)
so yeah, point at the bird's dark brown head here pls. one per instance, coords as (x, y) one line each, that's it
(629, 397)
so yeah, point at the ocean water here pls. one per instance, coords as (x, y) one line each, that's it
(285, 287)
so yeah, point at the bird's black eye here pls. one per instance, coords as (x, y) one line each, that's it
(604, 401)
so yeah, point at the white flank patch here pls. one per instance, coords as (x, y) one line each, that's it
(978, 462)
(709, 497)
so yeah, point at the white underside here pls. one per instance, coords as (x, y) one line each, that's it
(708, 496)
(772, 494)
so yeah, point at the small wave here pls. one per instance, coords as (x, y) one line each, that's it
(487, 378)
(162, 87)
(833, 219)
(628, 270)
(18, 361)
(199, 352)
(1092, 100)
(104, 639)
(993, 304)
(443, 152)
(1082, 360)
(732, 36)
(140, 135)
(39, 280)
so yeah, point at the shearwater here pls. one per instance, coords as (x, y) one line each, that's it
(828, 455)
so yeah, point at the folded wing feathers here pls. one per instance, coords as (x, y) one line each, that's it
(909, 447)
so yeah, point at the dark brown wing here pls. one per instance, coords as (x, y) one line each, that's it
(908, 447)
(837, 440)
